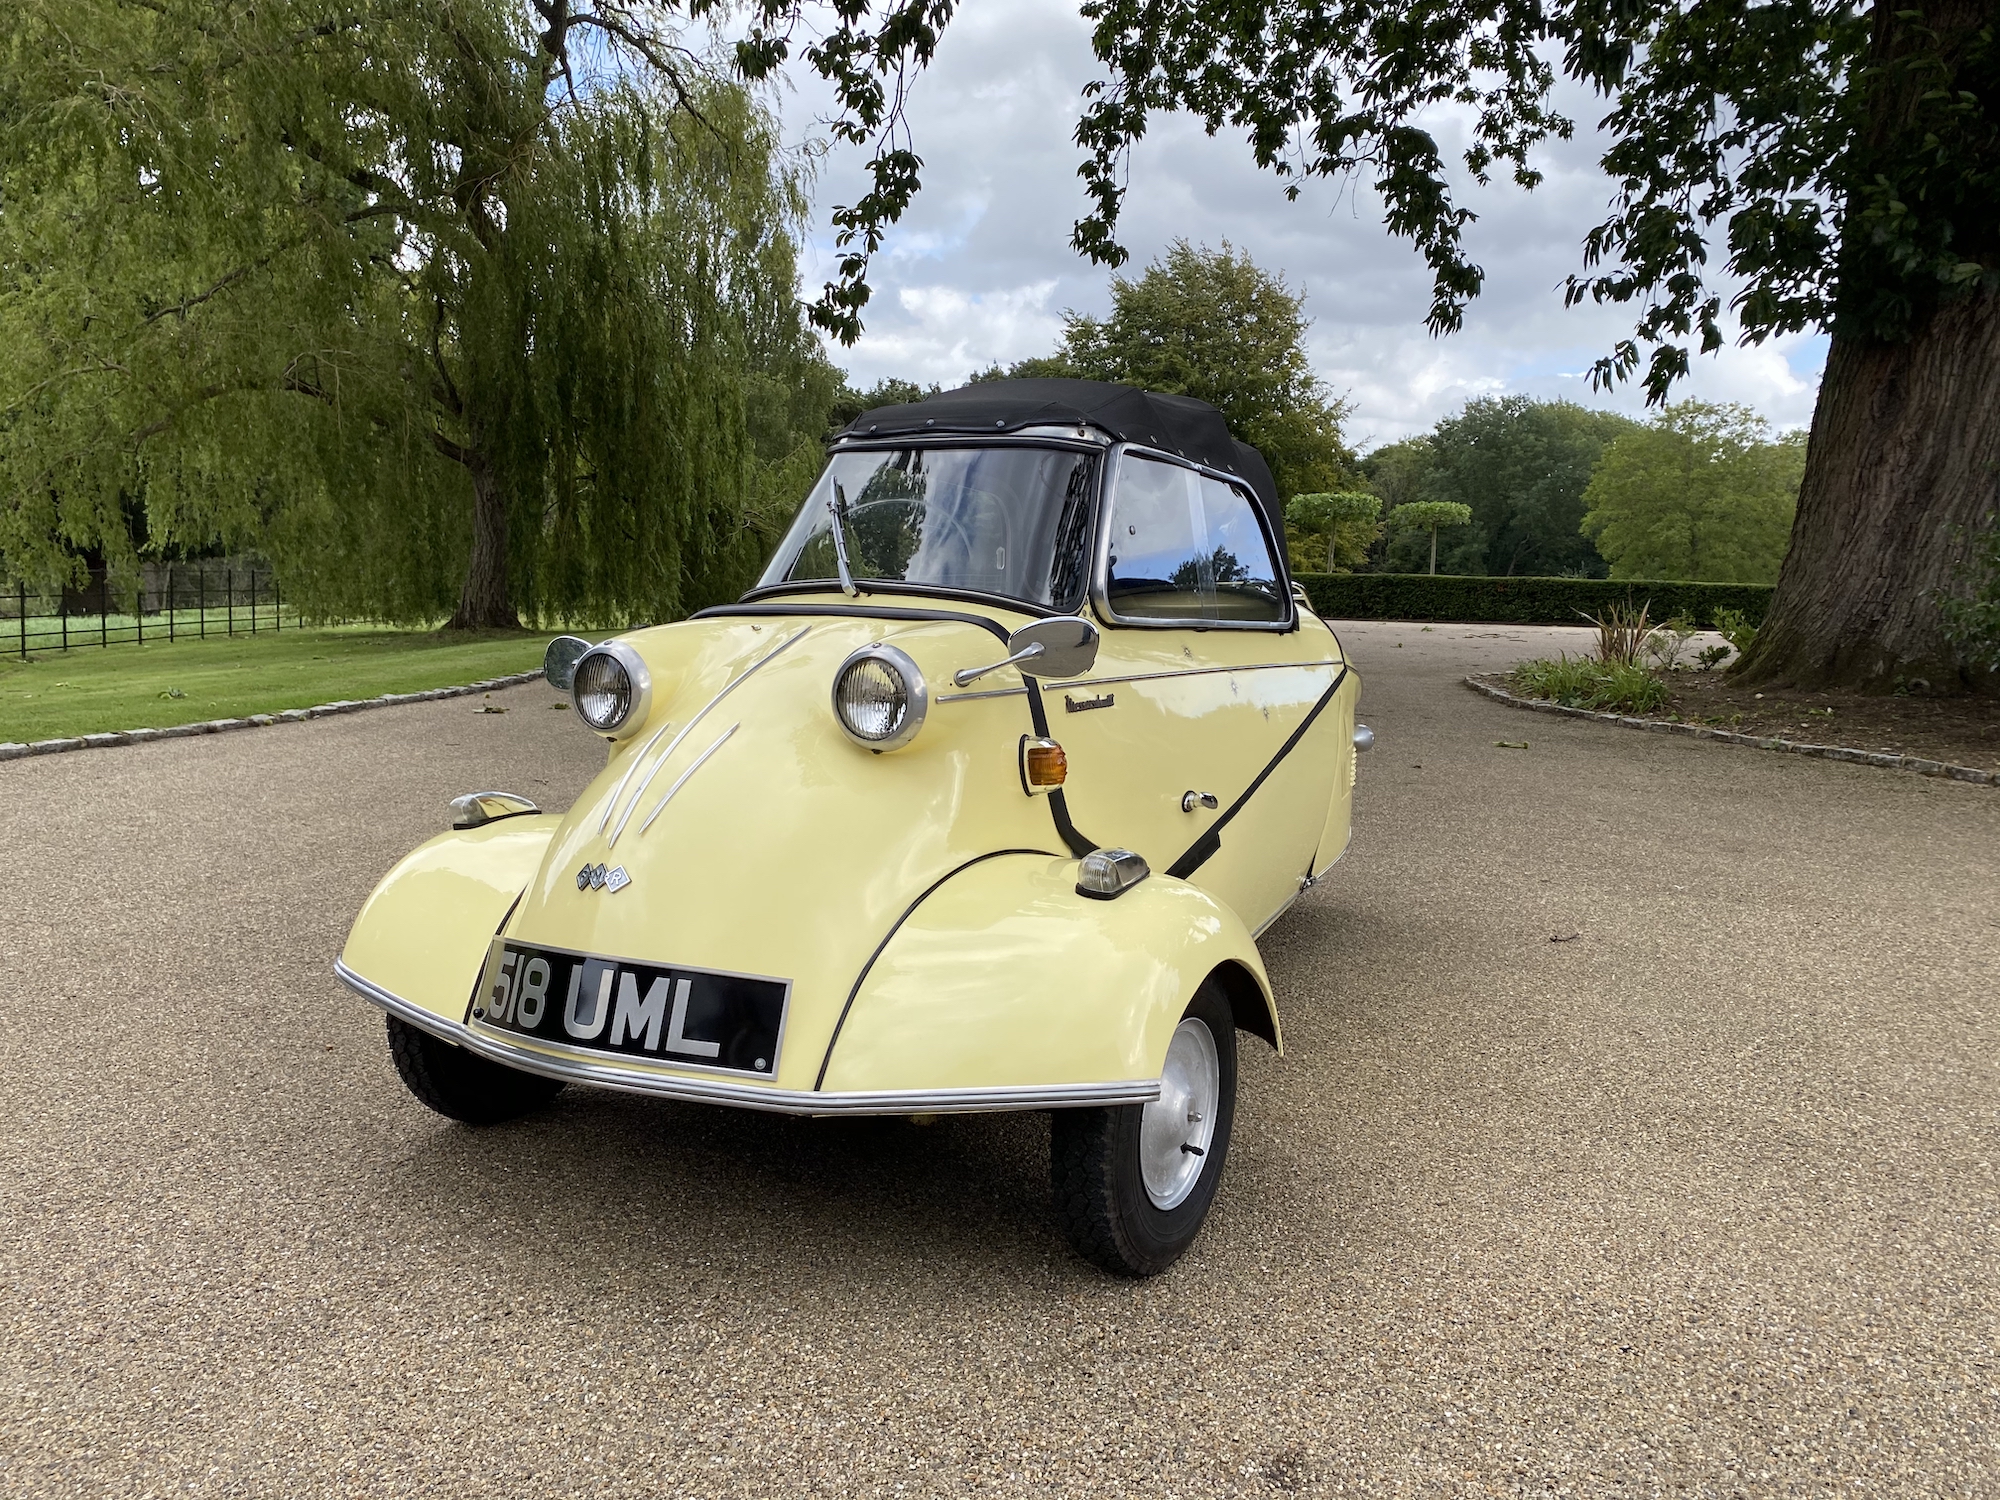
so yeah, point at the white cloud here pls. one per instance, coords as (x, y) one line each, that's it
(981, 270)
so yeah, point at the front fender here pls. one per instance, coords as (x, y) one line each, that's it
(423, 935)
(1004, 976)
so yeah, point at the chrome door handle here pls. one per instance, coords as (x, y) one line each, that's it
(1191, 800)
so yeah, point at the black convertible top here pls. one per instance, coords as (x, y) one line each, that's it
(1179, 425)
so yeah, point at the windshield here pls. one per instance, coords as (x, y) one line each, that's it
(1011, 521)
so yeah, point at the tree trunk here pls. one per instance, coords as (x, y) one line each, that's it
(1903, 467)
(1434, 551)
(485, 603)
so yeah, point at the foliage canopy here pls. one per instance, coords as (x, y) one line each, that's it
(1700, 493)
(1847, 157)
(1331, 533)
(1520, 465)
(440, 301)
(1214, 325)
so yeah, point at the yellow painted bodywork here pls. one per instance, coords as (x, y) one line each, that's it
(791, 852)
(1007, 976)
(424, 933)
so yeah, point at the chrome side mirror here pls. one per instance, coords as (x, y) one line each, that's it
(559, 661)
(1065, 646)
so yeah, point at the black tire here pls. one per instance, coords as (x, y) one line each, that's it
(462, 1085)
(1095, 1168)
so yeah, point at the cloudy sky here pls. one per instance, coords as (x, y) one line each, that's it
(981, 270)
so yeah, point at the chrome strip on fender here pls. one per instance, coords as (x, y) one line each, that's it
(668, 754)
(1262, 666)
(750, 1095)
(1019, 692)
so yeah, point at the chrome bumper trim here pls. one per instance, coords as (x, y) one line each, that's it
(749, 1095)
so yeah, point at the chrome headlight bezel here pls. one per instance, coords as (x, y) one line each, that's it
(639, 704)
(916, 696)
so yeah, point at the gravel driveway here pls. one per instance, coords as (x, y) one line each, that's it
(1701, 1201)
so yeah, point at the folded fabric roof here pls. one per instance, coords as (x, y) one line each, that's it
(1179, 425)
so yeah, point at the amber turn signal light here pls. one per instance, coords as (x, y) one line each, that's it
(1044, 767)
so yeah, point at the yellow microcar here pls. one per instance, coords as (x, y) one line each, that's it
(978, 801)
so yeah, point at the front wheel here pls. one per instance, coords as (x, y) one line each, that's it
(1134, 1182)
(462, 1085)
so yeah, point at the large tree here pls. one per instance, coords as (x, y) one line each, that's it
(1703, 492)
(1520, 466)
(1214, 325)
(1840, 162)
(458, 306)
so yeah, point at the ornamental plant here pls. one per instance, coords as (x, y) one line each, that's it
(1334, 530)
(1430, 515)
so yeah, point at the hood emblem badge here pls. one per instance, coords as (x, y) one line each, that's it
(597, 878)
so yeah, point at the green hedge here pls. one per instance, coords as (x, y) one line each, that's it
(1520, 601)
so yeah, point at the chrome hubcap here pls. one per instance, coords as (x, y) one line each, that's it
(1176, 1129)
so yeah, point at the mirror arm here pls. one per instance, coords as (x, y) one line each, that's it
(973, 674)
(836, 509)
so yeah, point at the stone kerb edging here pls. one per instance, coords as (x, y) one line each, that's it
(1756, 741)
(257, 721)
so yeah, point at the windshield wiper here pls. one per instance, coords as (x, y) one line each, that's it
(836, 508)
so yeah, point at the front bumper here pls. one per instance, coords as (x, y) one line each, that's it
(749, 1095)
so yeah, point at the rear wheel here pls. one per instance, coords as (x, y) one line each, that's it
(1134, 1182)
(461, 1084)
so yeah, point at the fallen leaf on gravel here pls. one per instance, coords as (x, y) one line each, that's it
(1511, 744)
(1564, 937)
(491, 708)
(559, 704)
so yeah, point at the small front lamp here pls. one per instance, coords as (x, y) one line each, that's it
(1107, 873)
(1044, 767)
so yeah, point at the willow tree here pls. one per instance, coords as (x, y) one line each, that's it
(456, 305)
(1838, 163)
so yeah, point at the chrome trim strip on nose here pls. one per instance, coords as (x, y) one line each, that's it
(611, 803)
(667, 754)
(698, 762)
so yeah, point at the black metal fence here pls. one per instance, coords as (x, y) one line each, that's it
(168, 602)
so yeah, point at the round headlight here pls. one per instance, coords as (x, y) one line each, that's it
(880, 698)
(610, 688)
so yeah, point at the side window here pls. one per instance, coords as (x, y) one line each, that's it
(1187, 547)
(1246, 580)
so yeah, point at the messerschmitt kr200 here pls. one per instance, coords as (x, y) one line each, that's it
(977, 801)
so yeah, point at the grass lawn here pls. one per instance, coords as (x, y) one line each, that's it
(92, 689)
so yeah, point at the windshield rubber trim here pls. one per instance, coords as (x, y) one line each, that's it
(894, 586)
(887, 937)
(1078, 843)
(1204, 848)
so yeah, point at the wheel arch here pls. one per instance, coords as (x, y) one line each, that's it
(1006, 975)
(1250, 1002)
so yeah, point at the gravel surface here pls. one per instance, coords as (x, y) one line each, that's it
(1698, 1201)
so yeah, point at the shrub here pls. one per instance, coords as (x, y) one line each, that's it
(1734, 627)
(1972, 620)
(1622, 634)
(1578, 682)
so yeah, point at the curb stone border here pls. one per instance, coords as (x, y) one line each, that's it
(256, 721)
(1880, 758)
